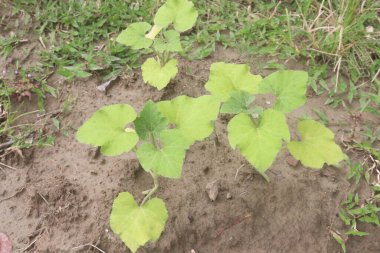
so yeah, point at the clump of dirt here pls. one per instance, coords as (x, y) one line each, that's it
(59, 202)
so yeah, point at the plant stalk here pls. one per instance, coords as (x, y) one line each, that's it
(153, 190)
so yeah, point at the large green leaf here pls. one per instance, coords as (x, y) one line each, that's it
(137, 225)
(238, 102)
(317, 146)
(170, 43)
(259, 143)
(157, 75)
(134, 36)
(193, 117)
(289, 86)
(167, 158)
(150, 121)
(181, 13)
(226, 78)
(107, 129)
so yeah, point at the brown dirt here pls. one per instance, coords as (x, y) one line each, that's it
(62, 197)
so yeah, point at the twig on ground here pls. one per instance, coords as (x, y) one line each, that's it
(34, 241)
(47, 202)
(237, 171)
(88, 245)
(7, 166)
(237, 222)
(13, 195)
(6, 145)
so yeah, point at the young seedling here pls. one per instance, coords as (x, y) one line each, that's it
(259, 133)
(172, 18)
(117, 129)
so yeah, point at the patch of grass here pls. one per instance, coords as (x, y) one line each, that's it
(78, 34)
(330, 36)
(16, 135)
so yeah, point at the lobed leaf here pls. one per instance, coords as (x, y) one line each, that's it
(150, 121)
(289, 86)
(259, 143)
(107, 129)
(181, 13)
(134, 36)
(237, 103)
(157, 75)
(167, 160)
(228, 78)
(317, 146)
(137, 225)
(193, 117)
(170, 43)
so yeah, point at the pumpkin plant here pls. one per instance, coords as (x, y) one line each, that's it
(162, 132)
(172, 18)
(160, 149)
(259, 133)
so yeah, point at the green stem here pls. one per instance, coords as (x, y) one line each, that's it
(153, 190)
(150, 192)
(153, 32)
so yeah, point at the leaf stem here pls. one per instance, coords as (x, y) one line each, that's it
(153, 190)
(154, 141)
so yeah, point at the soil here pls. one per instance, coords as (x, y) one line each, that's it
(60, 199)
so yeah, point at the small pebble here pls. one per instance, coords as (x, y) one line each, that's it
(229, 196)
(212, 190)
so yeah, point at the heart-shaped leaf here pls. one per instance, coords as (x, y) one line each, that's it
(107, 129)
(289, 86)
(170, 43)
(317, 145)
(150, 121)
(157, 75)
(259, 143)
(193, 117)
(227, 78)
(137, 225)
(134, 36)
(166, 159)
(181, 13)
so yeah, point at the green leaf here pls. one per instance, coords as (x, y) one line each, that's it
(317, 146)
(356, 232)
(150, 121)
(157, 75)
(134, 36)
(237, 103)
(73, 71)
(340, 240)
(370, 219)
(181, 13)
(344, 217)
(168, 160)
(193, 117)
(226, 78)
(107, 129)
(171, 43)
(289, 87)
(259, 143)
(137, 225)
